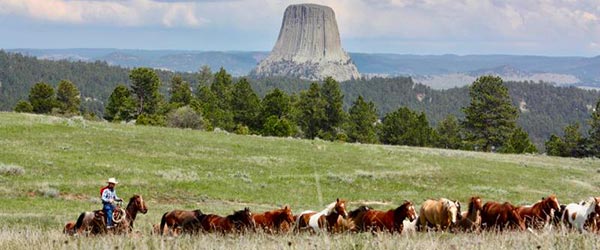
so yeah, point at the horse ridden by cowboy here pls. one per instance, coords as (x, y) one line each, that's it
(109, 197)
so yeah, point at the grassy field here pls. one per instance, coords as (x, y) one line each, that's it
(51, 169)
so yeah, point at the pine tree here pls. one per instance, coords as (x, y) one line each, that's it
(311, 108)
(405, 127)
(490, 118)
(205, 77)
(554, 146)
(594, 133)
(145, 84)
(211, 111)
(68, 98)
(181, 93)
(449, 134)
(362, 120)
(42, 98)
(334, 112)
(245, 104)
(120, 106)
(519, 143)
(222, 86)
(275, 103)
(572, 141)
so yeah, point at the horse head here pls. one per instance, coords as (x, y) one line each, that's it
(408, 208)
(514, 217)
(451, 209)
(285, 215)
(139, 204)
(475, 204)
(243, 217)
(340, 208)
(552, 203)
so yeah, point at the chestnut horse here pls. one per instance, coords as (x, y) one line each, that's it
(577, 214)
(440, 214)
(540, 213)
(329, 218)
(471, 219)
(391, 220)
(95, 221)
(355, 216)
(277, 220)
(501, 215)
(239, 221)
(175, 219)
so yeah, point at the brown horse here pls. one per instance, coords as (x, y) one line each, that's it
(540, 213)
(277, 220)
(239, 221)
(330, 218)
(175, 219)
(391, 220)
(355, 216)
(501, 215)
(471, 219)
(95, 221)
(440, 214)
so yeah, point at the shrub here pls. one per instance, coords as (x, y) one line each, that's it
(23, 107)
(152, 120)
(185, 117)
(11, 170)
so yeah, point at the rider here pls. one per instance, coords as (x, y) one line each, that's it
(109, 196)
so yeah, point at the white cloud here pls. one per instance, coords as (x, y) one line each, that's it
(117, 13)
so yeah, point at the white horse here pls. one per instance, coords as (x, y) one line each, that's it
(327, 217)
(577, 214)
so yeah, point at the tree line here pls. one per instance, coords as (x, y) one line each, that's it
(224, 103)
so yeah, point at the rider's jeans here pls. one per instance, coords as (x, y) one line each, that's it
(108, 210)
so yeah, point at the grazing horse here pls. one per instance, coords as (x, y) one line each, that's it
(577, 214)
(471, 219)
(176, 218)
(391, 220)
(239, 221)
(274, 221)
(95, 221)
(440, 214)
(328, 218)
(501, 215)
(540, 213)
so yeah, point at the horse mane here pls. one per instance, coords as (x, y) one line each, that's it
(401, 208)
(472, 205)
(132, 199)
(329, 208)
(359, 210)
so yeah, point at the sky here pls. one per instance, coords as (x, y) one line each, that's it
(522, 27)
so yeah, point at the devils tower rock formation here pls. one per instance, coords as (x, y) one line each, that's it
(308, 47)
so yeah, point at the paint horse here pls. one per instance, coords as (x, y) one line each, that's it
(390, 221)
(471, 219)
(329, 218)
(239, 222)
(278, 220)
(576, 215)
(500, 216)
(440, 214)
(540, 213)
(175, 220)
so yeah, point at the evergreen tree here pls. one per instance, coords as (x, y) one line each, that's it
(23, 107)
(120, 106)
(245, 104)
(68, 98)
(311, 108)
(572, 141)
(275, 103)
(594, 133)
(554, 146)
(490, 119)
(362, 120)
(211, 111)
(222, 86)
(205, 77)
(181, 93)
(405, 127)
(276, 126)
(42, 98)
(519, 143)
(145, 84)
(449, 134)
(334, 102)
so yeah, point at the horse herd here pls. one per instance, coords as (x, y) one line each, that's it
(438, 215)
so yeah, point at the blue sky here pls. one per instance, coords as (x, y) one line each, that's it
(538, 27)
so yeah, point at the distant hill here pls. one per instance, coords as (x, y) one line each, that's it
(545, 108)
(436, 71)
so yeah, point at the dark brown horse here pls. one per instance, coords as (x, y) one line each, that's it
(95, 221)
(278, 220)
(540, 213)
(331, 218)
(391, 220)
(355, 216)
(471, 219)
(239, 221)
(175, 219)
(500, 216)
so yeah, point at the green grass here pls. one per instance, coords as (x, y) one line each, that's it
(220, 172)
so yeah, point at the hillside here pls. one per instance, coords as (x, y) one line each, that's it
(64, 162)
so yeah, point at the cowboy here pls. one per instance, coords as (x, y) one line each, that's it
(109, 196)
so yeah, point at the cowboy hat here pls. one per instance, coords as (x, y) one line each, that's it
(112, 180)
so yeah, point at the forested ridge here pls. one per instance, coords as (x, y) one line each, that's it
(545, 109)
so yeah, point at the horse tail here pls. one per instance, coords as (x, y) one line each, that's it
(79, 222)
(163, 220)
